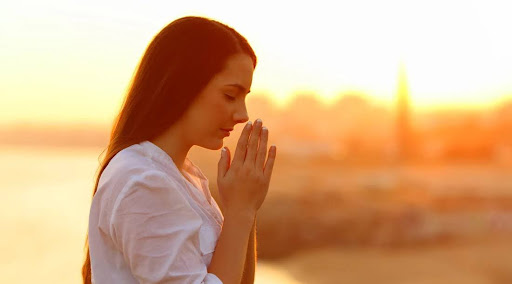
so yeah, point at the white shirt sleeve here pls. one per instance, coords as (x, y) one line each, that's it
(158, 232)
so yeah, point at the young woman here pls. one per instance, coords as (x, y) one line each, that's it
(152, 217)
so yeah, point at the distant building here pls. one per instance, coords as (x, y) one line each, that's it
(403, 130)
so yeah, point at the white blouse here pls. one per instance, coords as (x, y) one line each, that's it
(150, 224)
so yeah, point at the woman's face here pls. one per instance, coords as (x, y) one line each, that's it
(221, 104)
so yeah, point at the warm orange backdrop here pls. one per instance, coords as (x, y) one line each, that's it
(63, 61)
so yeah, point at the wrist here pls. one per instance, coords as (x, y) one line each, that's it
(242, 216)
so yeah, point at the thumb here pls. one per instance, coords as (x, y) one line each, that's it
(223, 165)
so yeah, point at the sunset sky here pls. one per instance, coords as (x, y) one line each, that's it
(68, 62)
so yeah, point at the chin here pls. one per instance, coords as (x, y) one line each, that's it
(214, 144)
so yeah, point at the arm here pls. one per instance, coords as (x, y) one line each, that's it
(230, 253)
(251, 259)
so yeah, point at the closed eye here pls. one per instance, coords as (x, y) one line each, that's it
(230, 98)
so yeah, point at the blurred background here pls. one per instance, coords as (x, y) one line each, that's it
(392, 121)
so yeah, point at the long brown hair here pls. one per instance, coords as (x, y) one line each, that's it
(178, 63)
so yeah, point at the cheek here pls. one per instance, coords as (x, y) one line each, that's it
(221, 108)
(215, 113)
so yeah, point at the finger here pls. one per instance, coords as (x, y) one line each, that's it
(223, 164)
(267, 172)
(252, 148)
(228, 159)
(262, 151)
(242, 144)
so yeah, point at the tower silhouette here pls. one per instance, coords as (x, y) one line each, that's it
(403, 120)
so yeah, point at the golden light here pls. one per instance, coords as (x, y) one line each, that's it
(68, 62)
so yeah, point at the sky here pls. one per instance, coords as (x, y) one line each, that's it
(71, 61)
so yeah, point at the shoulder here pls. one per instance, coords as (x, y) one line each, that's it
(130, 160)
(131, 163)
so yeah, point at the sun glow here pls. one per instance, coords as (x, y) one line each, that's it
(68, 62)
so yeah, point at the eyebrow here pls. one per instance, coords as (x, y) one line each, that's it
(238, 86)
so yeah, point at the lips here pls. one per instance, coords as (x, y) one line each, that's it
(225, 131)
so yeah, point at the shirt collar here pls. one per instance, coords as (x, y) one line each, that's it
(159, 155)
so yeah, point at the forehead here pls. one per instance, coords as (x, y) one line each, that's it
(238, 70)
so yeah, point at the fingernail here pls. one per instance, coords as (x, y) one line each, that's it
(223, 152)
(258, 120)
(249, 124)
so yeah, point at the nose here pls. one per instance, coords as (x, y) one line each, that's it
(241, 115)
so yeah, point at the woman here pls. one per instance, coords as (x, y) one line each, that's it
(152, 217)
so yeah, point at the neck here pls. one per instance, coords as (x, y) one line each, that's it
(174, 145)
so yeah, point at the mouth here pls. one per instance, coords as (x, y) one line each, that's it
(226, 132)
